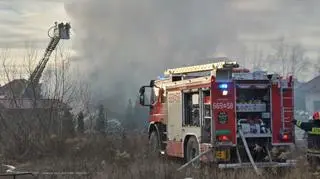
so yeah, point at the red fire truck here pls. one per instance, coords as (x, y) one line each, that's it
(221, 113)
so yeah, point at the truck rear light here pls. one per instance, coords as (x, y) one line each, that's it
(285, 137)
(223, 138)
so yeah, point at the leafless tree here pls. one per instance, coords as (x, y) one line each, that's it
(288, 59)
(258, 58)
(280, 57)
(28, 132)
(298, 61)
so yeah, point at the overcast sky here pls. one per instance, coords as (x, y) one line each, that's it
(28, 20)
(24, 23)
(258, 21)
(150, 35)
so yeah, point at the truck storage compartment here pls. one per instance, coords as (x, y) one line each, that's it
(253, 109)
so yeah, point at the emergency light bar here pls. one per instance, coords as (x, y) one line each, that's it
(200, 68)
(223, 86)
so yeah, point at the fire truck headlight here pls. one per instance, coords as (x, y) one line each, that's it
(224, 92)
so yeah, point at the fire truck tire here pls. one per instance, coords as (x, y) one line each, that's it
(154, 147)
(192, 151)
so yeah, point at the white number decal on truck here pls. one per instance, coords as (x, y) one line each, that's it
(228, 105)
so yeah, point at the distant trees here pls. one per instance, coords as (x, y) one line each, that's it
(141, 114)
(80, 122)
(136, 115)
(101, 119)
(67, 123)
(285, 58)
(129, 115)
(29, 125)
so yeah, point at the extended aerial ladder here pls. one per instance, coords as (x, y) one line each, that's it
(60, 31)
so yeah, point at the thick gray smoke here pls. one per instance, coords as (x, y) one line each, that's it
(123, 44)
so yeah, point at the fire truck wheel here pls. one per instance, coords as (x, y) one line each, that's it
(193, 151)
(154, 147)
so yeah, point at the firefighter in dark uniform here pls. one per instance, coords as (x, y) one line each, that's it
(313, 130)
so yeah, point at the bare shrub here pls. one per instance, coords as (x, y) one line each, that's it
(30, 127)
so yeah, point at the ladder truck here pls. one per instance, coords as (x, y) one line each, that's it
(221, 113)
(61, 31)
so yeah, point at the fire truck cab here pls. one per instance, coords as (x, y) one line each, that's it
(242, 118)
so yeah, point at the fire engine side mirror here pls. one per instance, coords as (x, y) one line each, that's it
(141, 92)
(146, 96)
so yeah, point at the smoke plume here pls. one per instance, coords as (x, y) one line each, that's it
(122, 44)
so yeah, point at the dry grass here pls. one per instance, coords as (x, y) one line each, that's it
(128, 158)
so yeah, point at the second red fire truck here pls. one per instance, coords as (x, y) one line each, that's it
(221, 113)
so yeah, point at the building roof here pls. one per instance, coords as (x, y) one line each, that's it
(311, 86)
(32, 104)
(298, 84)
(15, 86)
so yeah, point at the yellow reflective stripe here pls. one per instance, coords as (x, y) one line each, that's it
(299, 123)
(313, 151)
(315, 130)
(316, 133)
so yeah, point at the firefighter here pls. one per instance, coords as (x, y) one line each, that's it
(67, 28)
(61, 29)
(313, 130)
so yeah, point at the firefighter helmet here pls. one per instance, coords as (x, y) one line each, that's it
(316, 116)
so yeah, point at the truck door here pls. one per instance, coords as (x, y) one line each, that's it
(223, 110)
(206, 118)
